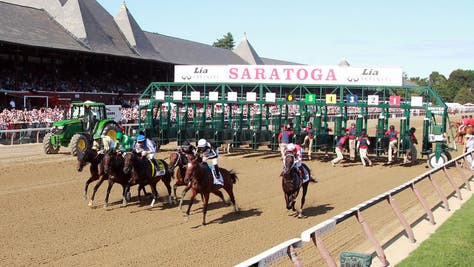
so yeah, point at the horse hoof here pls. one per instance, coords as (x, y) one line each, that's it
(89, 204)
(300, 215)
(106, 205)
(186, 218)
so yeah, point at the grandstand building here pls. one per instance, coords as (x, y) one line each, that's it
(71, 50)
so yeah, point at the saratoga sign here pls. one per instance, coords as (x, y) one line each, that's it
(288, 74)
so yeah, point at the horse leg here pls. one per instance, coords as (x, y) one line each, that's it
(303, 196)
(125, 191)
(154, 192)
(204, 208)
(111, 183)
(191, 200)
(90, 180)
(230, 192)
(182, 197)
(175, 187)
(96, 187)
(167, 182)
(220, 195)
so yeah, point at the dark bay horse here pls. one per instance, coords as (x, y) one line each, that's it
(141, 170)
(96, 169)
(199, 175)
(179, 161)
(113, 164)
(290, 188)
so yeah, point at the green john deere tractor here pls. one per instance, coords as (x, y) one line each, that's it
(76, 132)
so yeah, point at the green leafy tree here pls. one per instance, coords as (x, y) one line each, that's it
(439, 83)
(459, 79)
(464, 95)
(419, 81)
(227, 42)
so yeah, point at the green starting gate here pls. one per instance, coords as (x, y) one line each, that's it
(254, 114)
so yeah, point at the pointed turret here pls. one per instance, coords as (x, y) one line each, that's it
(247, 53)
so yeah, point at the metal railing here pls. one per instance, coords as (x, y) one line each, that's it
(315, 233)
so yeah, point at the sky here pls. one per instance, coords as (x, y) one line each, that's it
(418, 36)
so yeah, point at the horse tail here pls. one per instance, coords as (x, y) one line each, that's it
(233, 176)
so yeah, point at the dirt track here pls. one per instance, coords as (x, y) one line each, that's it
(46, 221)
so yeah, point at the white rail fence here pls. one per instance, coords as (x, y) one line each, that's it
(314, 234)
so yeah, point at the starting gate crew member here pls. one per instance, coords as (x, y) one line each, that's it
(393, 141)
(412, 150)
(363, 144)
(103, 143)
(208, 151)
(339, 148)
(309, 138)
(352, 141)
(124, 142)
(284, 139)
(145, 146)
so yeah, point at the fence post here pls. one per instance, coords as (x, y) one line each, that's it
(463, 175)
(456, 188)
(370, 235)
(318, 242)
(440, 193)
(423, 203)
(402, 219)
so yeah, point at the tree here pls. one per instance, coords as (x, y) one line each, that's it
(439, 83)
(459, 79)
(227, 42)
(464, 96)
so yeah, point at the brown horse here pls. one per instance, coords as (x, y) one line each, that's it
(141, 170)
(461, 131)
(178, 160)
(199, 175)
(292, 183)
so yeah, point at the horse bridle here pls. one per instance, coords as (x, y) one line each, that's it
(177, 161)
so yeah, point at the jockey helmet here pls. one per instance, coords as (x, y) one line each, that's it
(118, 135)
(412, 129)
(392, 127)
(291, 147)
(202, 143)
(141, 138)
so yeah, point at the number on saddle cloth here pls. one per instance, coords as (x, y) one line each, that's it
(157, 168)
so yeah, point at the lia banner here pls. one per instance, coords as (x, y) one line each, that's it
(288, 74)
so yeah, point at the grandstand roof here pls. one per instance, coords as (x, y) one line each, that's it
(180, 51)
(84, 25)
(246, 51)
(134, 34)
(31, 26)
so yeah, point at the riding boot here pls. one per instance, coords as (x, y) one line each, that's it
(216, 171)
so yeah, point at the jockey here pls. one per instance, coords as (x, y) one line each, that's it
(124, 142)
(187, 148)
(297, 152)
(145, 146)
(103, 143)
(208, 151)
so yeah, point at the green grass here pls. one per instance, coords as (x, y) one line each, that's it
(451, 245)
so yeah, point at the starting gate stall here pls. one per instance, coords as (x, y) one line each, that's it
(255, 128)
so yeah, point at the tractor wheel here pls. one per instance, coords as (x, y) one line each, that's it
(111, 129)
(48, 147)
(433, 163)
(79, 143)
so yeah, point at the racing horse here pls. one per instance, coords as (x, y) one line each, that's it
(143, 172)
(199, 175)
(179, 160)
(113, 164)
(96, 169)
(292, 183)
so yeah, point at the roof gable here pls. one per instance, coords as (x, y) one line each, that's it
(247, 52)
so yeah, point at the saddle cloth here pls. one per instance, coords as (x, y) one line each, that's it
(217, 181)
(158, 169)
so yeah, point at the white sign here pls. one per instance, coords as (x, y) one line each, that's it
(160, 95)
(213, 96)
(231, 96)
(270, 97)
(251, 97)
(289, 74)
(113, 112)
(372, 100)
(416, 101)
(177, 95)
(195, 96)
